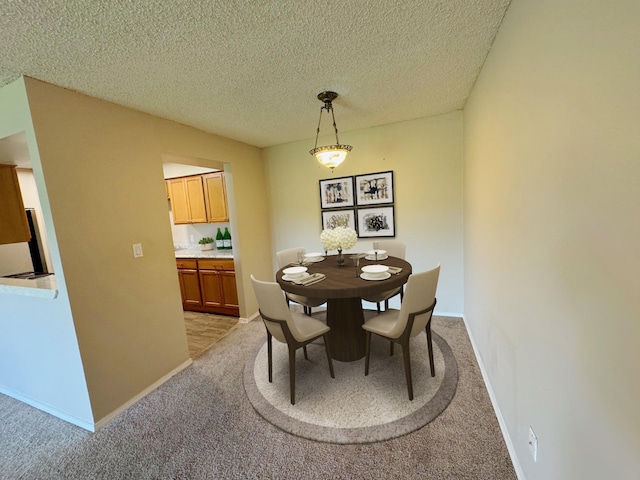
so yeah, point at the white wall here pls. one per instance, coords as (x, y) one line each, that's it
(40, 360)
(425, 156)
(552, 233)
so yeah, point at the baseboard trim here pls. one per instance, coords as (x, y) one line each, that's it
(249, 319)
(87, 425)
(448, 314)
(107, 418)
(503, 426)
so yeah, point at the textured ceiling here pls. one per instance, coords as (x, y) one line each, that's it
(250, 70)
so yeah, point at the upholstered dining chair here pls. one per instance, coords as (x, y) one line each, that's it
(287, 257)
(400, 326)
(294, 329)
(394, 248)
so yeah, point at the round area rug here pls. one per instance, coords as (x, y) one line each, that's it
(352, 408)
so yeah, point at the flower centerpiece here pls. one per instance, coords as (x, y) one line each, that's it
(338, 238)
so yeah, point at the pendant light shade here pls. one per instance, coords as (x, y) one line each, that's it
(329, 155)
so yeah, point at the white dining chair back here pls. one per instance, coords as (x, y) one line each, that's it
(419, 294)
(288, 256)
(293, 329)
(399, 326)
(394, 248)
(272, 303)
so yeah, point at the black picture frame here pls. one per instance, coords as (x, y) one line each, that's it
(329, 221)
(376, 222)
(337, 193)
(374, 188)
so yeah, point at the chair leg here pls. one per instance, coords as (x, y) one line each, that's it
(386, 304)
(326, 348)
(378, 305)
(407, 367)
(367, 351)
(269, 356)
(430, 347)
(304, 349)
(292, 374)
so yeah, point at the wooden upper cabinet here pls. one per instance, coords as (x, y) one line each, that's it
(179, 200)
(14, 227)
(198, 198)
(187, 200)
(215, 195)
(195, 193)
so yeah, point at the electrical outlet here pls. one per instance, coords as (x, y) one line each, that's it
(137, 250)
(533, 445)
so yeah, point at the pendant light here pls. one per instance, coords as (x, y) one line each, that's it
(329, 155)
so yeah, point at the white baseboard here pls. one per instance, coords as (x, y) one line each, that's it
(496, 409)
(86, 424)
(106, 419)
(448, 314)
(249, 319)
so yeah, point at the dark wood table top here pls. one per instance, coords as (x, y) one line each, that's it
(341, 282)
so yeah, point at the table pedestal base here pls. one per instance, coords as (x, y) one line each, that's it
(346, 337)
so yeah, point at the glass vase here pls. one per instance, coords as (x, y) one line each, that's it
(340, 259)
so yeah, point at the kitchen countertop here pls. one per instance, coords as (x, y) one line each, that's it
(43, 287)
(196, 252)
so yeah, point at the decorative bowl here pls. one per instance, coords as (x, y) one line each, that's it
(294, 272)
(375, 270)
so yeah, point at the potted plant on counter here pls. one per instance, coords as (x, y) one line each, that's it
(206, 243)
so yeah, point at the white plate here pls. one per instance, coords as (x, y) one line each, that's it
(289, 278)
(366, 276)
(373, 258)
(314, 259)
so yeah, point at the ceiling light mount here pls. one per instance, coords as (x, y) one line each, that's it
(329, 155)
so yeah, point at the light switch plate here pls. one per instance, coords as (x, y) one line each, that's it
(137, 250)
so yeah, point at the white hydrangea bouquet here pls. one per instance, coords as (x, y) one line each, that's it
(338, 238)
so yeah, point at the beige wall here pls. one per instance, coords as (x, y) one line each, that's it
(552, 233)
(426, 158)
(102, 165)
(40, 361)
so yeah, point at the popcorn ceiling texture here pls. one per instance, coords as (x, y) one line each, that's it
(251, 70)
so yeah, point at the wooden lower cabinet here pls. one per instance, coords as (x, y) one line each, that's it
(216, 286)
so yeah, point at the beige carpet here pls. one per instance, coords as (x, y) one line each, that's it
(200, 425)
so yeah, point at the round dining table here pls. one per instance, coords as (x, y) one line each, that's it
(344, 289)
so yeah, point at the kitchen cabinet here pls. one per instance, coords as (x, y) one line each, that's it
(198, 198)
(215, 197)
(218, 285)
(187, 200)
(189, 283)
(208, 285)
(13, 219)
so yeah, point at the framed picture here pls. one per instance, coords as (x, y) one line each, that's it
(339, 218)
(376, 222)
(336, 193)
(374, 188)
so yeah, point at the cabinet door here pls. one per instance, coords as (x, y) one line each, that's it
(190, 289)
(179, 201)
(195, 193)
(215, 194)
(211, 288)
(13, 219)
(230, 293)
